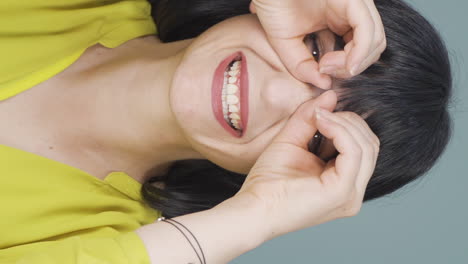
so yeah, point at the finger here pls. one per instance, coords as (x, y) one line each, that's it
(363, 26)
(379, 44)
(337, 20)
(354, 124)
(299, 61)
(379, 34)
(368, 165)
(361, 123)
(371, 136)
(348, 36)
(252, 8)
(373, 57)
(302, 125)
(334, 64)
(348, 161)
(348, 47)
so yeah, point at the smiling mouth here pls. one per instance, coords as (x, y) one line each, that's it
(230, 95)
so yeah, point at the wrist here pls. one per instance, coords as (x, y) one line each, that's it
(250, 218)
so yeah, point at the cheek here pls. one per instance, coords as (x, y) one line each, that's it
(190, 99)
(190, 95)
(241, 162)
(234, 156)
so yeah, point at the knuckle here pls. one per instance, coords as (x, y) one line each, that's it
(381, 37)
(377, 57)
(383, 45)
(356, 149)
(376, 152)
(354, 206)
(356, 117)
(370, 148)
(349, 115)
(345, 114)
(357, 206)
(351, 208)
(376, 142)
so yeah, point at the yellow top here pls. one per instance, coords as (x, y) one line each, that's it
(40, 38)
(52, 212)
(55, 213)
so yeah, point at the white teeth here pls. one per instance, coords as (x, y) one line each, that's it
(231, 88)
(235, 123)
(233, 109)
(233, 72)
(235, 65)
(232, 79)
(232, 99)
(234, 116)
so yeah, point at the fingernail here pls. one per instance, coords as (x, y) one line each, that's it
(355, 70)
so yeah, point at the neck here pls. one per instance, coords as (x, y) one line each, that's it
(122, 118)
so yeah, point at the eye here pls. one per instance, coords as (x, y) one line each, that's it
(314, 144)
(312, 43)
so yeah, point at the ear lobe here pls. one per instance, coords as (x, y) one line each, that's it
(327, 100)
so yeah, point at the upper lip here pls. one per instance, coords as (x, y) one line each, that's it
(218, 82)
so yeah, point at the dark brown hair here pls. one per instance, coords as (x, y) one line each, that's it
(407, 93)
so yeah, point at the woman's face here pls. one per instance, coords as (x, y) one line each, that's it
(230, 111)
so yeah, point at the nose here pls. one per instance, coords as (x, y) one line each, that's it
(284, 93)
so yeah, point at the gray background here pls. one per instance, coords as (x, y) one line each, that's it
(425, 222)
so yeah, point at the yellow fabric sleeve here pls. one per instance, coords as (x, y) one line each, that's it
(39, 39)
(54, 213)
(127, 248)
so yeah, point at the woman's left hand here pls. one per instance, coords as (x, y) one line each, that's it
(287, 22)
(292, 188)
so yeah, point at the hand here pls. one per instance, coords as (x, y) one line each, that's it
(294, 188)
(287, 22)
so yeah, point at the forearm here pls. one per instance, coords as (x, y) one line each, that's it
(224, 233)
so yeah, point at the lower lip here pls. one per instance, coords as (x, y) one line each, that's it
(217, 86)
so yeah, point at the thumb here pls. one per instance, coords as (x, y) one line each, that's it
(301, 127)
(299, 61)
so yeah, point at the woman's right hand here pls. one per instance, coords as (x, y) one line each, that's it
(287, 22)
(294, 188)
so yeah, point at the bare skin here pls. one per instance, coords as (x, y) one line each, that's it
(109, 111)
(146, 104)
(96, 83)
